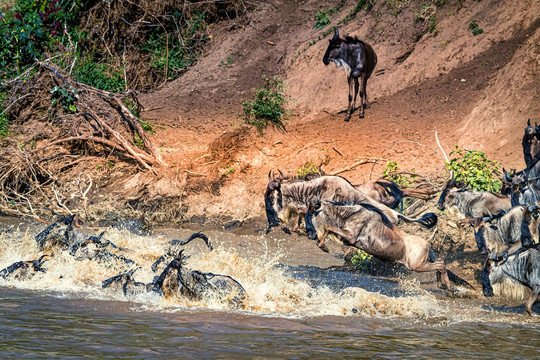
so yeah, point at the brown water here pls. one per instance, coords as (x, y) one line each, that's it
(294, 309)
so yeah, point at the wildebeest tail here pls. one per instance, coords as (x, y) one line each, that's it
(393, 189)
(428, 220)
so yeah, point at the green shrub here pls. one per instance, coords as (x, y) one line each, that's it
(267, 106)
(391, 173)
(308, 168)
(473, 26)
(61, 95)
(361, 260)
(99, 75)
(475, 169)
(322, 18)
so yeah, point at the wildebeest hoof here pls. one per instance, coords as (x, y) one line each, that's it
(347, 118)
(324, 248)
(361, 116)
(286, 230)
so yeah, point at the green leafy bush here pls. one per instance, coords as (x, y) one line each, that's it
(99, 75)
(308, 168)
(473, 26)
(475, 169)
(361, 260)
(391, 172)
(61, 95)
(267, 106)
(322, 18)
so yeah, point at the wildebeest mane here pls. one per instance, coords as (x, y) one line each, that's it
(353, 40)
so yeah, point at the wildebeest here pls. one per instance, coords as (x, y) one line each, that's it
(358, 59)
(178, 280)
(471, 204)
(530, 143)
(288, 200)
(24, 269)
(127, 284)
(94, 248)
(520, 188)
(57, 235)
(174, 248)
(369, 229)
(390, 194)
(503, 231)
(522, 266)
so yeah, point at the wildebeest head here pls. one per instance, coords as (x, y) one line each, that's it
(333, 48)
(491, 272)
(448, 195)
(273, 199)
(314, 208)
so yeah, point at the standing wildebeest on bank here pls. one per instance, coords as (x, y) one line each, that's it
(499, 233)
(358, 59)
(390, 194)
(286, 201)
(531, 143)
(472, 204)
(367, 228)
(523, 267)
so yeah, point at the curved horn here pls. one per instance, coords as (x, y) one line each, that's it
(280, 175)
(336, 34)
(529, 122)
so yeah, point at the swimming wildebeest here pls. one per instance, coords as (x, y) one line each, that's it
(358, 59)
(390, 194)
(24, 269)
(369, 229)
(285, 201)
(174, 248)
(127, 284)
(503, 231)
(178, 280)
(523, 267)
(57, 235)
(471, 204)
(94, 248)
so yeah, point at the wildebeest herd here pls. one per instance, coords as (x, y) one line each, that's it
(505, 225)
(174, 279)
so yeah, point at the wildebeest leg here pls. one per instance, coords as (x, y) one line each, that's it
(349, 109)
(532, 299)
(362, 96)
(320, 243)
(356, 86)
(345, 235)
(437, 265)
(365, 78)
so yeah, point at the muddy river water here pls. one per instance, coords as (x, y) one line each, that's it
(295, 307)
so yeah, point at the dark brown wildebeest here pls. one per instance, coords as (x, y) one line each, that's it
(531, 143)
(358, 59)
(471, 204)
(522, 267)
(369, 229)
(390, 194)
(23, 270)
(57, 235)
(286, 201)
